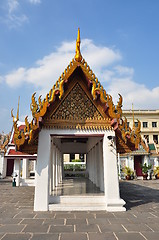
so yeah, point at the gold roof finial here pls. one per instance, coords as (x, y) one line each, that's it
(18, 109)
(78, 56)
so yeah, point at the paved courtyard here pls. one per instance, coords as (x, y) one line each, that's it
(18, 221)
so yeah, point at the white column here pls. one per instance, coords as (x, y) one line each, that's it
(58, 166)
(119, 168)
(111, 180)
(54, 166)
(101, 166)
(51, 169)
(61, 166)
(91, 165)
(87, 164)
(97, 166)
(17, 171)
(25, 166)
(4, 166)
(93, 169)
(41, 199)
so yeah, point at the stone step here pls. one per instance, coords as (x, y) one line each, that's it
(78, 199)
(77, 207)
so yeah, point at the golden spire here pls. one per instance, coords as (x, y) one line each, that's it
(18, 109)
(78, 56)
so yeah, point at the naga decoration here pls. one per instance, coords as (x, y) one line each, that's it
(19, 137)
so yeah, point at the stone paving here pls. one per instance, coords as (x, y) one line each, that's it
(18, 221)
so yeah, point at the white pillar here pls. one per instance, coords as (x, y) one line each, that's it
(87, 164)
(61, 166)
(111, 180)
(25, 168)
(91, 165)
(101, 166)
(41, 199)
(4, 165)
(119, 167)
(93, 169)
(17, 171)
(51, 169)
(97, 165)
(54, 166)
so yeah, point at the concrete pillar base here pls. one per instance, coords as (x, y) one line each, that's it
(116, 205)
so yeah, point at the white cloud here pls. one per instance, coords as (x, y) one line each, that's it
(12, 6)
(14, 16)
(122, 70)
(35, 1)
(104, 61)
(16, 77)
(49, 68)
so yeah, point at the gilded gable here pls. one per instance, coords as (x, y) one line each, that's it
(77, 105)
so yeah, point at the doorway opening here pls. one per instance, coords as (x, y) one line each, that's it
(76, 173)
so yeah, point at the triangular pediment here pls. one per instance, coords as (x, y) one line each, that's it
(77, 110)
(77, 105)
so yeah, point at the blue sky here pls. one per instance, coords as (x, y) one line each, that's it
(120, 42)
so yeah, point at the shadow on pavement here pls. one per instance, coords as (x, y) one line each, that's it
(139, 194)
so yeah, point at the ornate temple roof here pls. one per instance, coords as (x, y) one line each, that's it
(106, 115)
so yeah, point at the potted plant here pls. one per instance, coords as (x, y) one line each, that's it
(128, 173)
(145, 169)
(156, 172)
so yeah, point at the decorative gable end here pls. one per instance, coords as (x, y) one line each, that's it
(77, 110)
(77, 105)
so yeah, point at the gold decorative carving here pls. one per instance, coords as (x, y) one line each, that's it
(77, 105)
(33, 105)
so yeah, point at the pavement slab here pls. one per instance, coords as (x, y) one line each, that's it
(136, 227)
(19, 236)
(59, 229)
(111, 228)
(87, 228)
(74, 236)
(129, 236)
(45, 237)
(98, 220)
(65, 215)
(55, 222)
(76, 221)
(151, 235)
(11, 228)
(32, 221)
(36, 228)
(101, 236)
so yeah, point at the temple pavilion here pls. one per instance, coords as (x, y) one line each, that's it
(77, 115)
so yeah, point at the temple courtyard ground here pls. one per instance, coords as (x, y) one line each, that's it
(18, 221)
